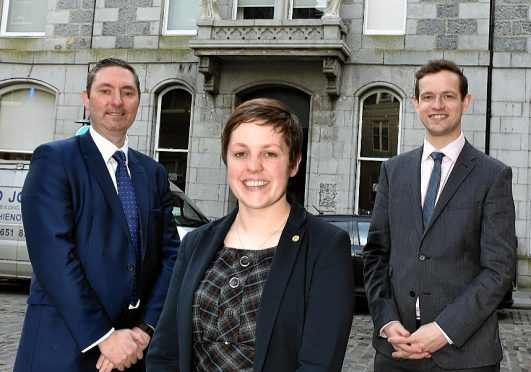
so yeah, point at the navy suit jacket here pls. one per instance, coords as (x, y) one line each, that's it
(79, 246)
(306, 307)
(459, 266)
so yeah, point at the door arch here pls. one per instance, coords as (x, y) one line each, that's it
(299, 102)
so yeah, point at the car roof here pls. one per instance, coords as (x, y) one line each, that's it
(344, 217)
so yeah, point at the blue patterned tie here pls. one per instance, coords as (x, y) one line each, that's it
(433, 187)
(126, 193)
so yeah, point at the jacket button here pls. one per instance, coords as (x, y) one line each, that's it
(422, 257)
(234, 282)
(412, 293)
(130, 267)
(245, 261)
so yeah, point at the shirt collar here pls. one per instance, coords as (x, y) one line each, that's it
(451, 151)
(106, 147)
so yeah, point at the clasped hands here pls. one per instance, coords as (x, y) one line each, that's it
(420, 344)
(122, 349)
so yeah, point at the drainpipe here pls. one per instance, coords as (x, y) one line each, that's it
(488, 115)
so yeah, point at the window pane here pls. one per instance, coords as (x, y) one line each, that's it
(27, 119)
(175, 164)
(369, 174)
(27, 16)
(380, 120)
(256, 3)
(308, 9)
(307, 13)
(175, 120)
(309, 4)
(256, 13)
(385, 17)
(182, 14)
(255, 9)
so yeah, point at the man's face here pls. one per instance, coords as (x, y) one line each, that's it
(113, 102)
(440, 107)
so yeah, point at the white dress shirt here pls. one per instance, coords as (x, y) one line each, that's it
(107, 150)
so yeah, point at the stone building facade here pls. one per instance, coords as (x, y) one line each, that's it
(349, 79)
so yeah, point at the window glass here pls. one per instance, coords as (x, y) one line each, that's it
(379, 134)
(255, 9)
(385, 17)
(184, 213)
(173, 130)
(27, 118)
(180, 17)
(24, 17)
(308, 9)
(363, 229)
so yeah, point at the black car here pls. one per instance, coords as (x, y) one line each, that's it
(357, 227)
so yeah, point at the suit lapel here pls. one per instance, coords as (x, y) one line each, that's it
(98, 169)
(413, 177)
(463, 166)
(140, 184)
(277, 280)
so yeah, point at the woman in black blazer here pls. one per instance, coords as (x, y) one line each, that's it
(268, 287)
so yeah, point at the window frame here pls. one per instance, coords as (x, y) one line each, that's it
(236, 7)
(21, 85)
(156, 149)
(378, 90)
(380, 124)
(291, 6)
(177, 32)
(4, 22)
(378, 31)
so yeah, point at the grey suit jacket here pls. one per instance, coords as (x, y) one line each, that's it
(460, 266)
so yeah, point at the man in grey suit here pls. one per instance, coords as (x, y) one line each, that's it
(441, 248)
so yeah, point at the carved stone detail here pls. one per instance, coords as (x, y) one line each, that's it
(332, 72)
(209, 67)
(268, 33)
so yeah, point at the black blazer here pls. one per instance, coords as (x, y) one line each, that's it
(306, 306)
(460, 266)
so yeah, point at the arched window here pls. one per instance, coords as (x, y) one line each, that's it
(27, 119)
(377, 141)
(173, 131)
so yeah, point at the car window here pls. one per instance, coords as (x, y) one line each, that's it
(185, 215)
(363, 229)
(345, 226)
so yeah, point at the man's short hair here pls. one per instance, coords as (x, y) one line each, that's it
(438, 65)
(109, 62)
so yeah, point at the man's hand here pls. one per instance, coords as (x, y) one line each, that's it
(426, 340)
(144, 336)
(399, 337)
(121, 349)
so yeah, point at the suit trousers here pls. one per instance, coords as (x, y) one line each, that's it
(385, 364)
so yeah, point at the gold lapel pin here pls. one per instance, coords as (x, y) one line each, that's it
(295, 238)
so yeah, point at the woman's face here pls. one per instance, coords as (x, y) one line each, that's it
(258, 165)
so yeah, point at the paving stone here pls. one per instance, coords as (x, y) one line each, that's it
(515, 331)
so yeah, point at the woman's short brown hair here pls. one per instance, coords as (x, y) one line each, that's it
(266, 111)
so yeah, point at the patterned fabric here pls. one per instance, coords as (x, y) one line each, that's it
(226, 308)
(126, 193)
(433, 187)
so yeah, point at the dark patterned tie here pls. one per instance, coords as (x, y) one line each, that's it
(433, 187)
(127, 197)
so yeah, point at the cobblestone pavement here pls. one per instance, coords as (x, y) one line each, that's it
(515, 326)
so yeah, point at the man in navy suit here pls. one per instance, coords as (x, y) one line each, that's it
(99, 283)
(441, 248)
